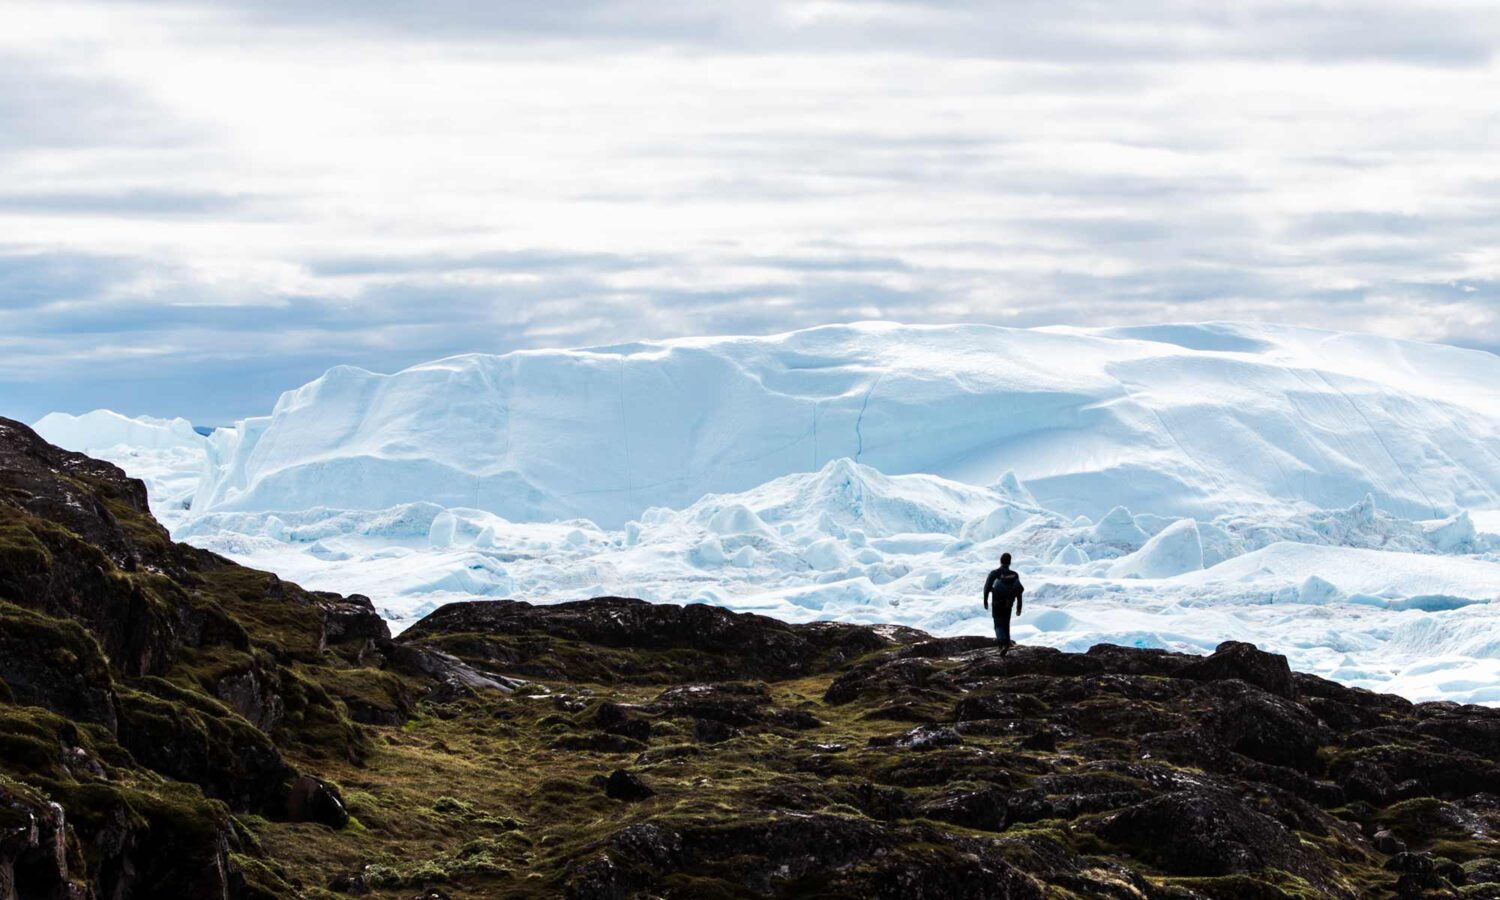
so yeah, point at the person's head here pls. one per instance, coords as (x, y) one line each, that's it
(1005, 560)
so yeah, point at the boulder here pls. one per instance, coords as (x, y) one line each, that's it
(1246, 662)
(315, 800)
(627, 786)
(1207, 833)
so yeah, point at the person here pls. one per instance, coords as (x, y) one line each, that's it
(1005, 587)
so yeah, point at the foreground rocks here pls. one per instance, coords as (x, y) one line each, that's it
(172, 724)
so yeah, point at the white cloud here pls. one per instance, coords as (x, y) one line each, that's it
(377, 183)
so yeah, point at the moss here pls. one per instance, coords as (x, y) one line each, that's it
(21, 551)
(1426, 823)
(1271, 886)
(262, 881)
(60, 642)
(372, 693)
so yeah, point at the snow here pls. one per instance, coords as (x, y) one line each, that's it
(1332, 497)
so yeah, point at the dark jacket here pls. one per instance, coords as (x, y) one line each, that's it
(1004, 585)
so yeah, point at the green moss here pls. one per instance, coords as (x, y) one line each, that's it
(1269, 886)
(62, 643)
(21, 551)
(1426, 823)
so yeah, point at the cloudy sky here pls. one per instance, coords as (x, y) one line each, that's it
(205, 203)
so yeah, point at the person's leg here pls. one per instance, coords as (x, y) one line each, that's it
(1002, 627)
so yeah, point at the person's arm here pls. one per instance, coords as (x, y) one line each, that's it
(1020, 592)
(989, 587)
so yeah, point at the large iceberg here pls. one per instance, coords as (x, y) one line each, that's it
(1182, 421)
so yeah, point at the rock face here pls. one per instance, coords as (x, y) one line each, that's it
(621, 639)
(149, 690)
(174, 725)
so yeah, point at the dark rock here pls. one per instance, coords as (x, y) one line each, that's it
(613, 718)
(33, 846)
(1482, 871)
(1474, 729)
(732, 703)
(1418, 875)
(55, 665)
(1451, 872)
(247, 694)
(353, 885)
(454, 678)
(1021, 661)
(1419, 863)
(998, 705)
(938, 648)
(921, 738)
(1202, 833)
(806, 854)
(1043, 739)
(1366, 781)
(351, 618)
(1264, 726)
(1141, 660)
(315, 800)
(599, 742)
(705, 642)
(984, 809)
(1386, 842)
(881, 677)
(169, 730)
(794, 719)
(1247, 663)
(885, 803)
(1416, 771)
(712, 731)
(623, 785)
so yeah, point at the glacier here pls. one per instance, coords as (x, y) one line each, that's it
(1333, 497)
(1186, 422)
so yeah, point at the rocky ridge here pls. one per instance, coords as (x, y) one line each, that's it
(172, 724)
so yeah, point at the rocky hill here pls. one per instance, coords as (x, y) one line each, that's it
(175, 725)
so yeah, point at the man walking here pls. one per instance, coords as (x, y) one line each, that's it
(1005, 586)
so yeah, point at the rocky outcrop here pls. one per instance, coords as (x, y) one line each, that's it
(626, 640)
(148, 690)
(172, 724)
(1120, 772)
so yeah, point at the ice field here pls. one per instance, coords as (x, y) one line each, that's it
(1333, 497)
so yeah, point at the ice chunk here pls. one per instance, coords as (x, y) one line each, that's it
(103, 429)
(1451, 534)
(1070, 555)
(1318, 591)
(993, 524)
(736, 518)
(824, 555)
(1175, 550)
(1118, 527)
(1011, 488)
(442, 531)
(709, 552)
(1052, 620)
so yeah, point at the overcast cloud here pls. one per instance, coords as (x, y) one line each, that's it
(205, 203)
